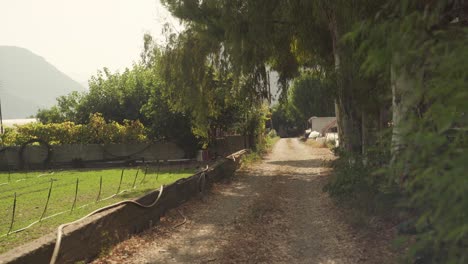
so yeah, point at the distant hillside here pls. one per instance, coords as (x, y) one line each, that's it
(28, 82)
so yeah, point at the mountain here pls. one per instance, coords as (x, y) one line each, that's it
(28, 82)
(85, 85)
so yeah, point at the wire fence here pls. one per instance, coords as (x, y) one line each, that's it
(24, 195)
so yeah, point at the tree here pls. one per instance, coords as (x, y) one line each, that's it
(117, 96)
(197, 80)
(308, 96)
(51, 115)
(421, 45)
(136, 94)
(285, 35)
(67, 109)
(391, 64)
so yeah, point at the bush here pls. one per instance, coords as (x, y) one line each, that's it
(97, 131)
(272, 134)
(363, 181)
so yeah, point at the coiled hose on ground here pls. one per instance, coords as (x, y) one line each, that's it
(53, 260)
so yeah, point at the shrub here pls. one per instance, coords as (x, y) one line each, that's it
(364, 181)
(272, 133)
(97, 131)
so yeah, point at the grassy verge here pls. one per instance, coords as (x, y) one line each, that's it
(32, 191)
(262, 149)
(315, 144)
(318, 144)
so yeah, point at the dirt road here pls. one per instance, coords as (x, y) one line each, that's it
(272, 212)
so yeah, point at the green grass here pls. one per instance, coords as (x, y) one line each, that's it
(262, 149)
(32, 191)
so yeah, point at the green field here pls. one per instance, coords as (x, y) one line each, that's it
(32, 190)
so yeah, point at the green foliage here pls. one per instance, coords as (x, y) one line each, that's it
(51, 115)
(135, 94)
(361, 181)
(220, 61)
(262, 148)
(417, 38)
(308, 96)
(162, 122)
(429, 38)
(97, 131)
(256, 121)
(282, 116)
(272, 134)
(117, 96)
(198, 80)
(67, 109)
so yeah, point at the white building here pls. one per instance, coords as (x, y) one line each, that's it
(326, 128)
(319, 123)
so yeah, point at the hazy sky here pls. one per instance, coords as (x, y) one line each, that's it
(81, 36)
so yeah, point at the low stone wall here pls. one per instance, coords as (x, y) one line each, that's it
(86, 240)
(69, 154)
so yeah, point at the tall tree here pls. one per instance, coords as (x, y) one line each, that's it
(285, 35)
(309, 96)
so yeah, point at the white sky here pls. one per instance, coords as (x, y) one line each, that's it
(81, 36)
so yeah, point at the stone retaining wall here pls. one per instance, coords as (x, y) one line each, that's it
(74, 155)
(230, 144)
(69, 154)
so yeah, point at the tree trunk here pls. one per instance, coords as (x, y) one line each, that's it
(348, 119)
(366, 133)
(401, 84)
(336, 56)
(370, 127)
(339, 123)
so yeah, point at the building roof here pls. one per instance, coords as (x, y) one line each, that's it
(320, 117)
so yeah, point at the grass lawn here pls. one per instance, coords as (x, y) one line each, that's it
(32, 190)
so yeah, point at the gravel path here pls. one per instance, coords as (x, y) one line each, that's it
(272, 212)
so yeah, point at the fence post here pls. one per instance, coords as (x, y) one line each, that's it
(121, 177)
(76, 194)
(100, 189)
(13, 215)
(136, 176)
(48, 198)
(157, 170)
(144, 176)
(9, 175)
